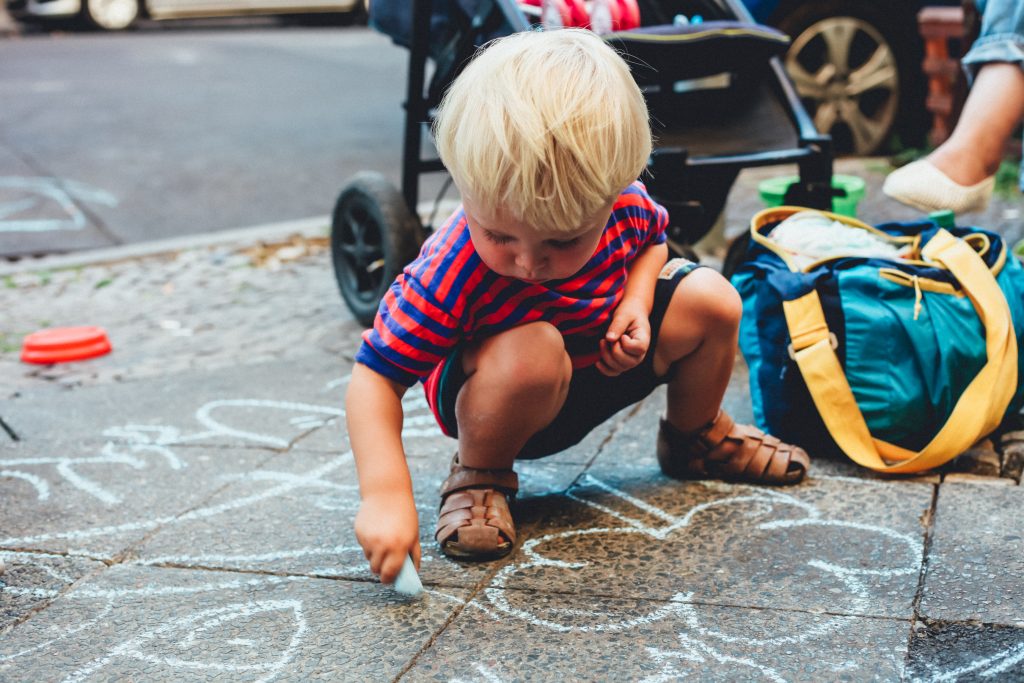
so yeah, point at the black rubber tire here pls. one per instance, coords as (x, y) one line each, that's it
(897, 26)
(373, 236)
(736, 254)
(97, 20)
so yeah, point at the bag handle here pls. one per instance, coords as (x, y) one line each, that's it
(980, 407)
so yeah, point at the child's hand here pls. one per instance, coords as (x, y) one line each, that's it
(626, 342)
(387, 528)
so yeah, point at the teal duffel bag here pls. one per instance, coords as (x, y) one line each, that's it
(901, 361)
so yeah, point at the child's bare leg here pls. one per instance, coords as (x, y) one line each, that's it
(697, 343)
(993, 110)
(518, 381)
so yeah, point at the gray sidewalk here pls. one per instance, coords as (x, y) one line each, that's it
(182, 509)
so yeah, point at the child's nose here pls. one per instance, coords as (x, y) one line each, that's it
(529, 260)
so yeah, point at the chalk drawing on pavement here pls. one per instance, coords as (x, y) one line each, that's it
(701, 637)
(57, 199)
(132, 444)
(246, 610)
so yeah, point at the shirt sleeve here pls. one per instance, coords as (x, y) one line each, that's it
(654, 231)
(411, 334)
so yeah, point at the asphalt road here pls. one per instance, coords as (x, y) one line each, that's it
(164, 132)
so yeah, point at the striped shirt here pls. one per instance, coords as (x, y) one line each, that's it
(448, 295)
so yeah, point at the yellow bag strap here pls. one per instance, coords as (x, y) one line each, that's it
(978, 410)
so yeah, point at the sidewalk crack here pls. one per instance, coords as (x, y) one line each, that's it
(928, 521)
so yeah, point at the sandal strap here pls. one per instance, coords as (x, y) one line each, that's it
(727, 450)
(462, 477)
(479, 516)
(475, 510)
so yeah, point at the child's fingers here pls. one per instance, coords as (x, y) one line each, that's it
(417, 554)
(390, 567)
(375, 561)
(634, 345)
(616, 328)
(611, 363)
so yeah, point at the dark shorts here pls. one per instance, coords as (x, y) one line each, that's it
(593, 397)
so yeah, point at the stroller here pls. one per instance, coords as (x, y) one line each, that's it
(719, 99)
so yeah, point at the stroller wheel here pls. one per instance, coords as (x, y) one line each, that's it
(736, 254)
(373, 236)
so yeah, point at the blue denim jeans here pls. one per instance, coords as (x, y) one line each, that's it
(1001, 39)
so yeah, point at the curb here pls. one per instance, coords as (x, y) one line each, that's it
(316, 226)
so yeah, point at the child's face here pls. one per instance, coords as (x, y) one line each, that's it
(514, 249)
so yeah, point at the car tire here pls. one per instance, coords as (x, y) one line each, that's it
(111, 15)
(874, 88)
(373, 237)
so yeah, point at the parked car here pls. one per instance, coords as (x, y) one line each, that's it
(857, 66)
(116, 15)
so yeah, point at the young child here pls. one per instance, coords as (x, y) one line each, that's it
(543, 306)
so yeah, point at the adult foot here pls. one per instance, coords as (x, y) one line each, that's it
(924, 186)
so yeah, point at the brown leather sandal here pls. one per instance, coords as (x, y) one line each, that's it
(475, 522)
(725, 450)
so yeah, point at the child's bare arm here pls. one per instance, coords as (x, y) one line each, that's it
(629, 334)
(386, 525)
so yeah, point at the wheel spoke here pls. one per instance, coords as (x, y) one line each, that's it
(825, 117)
(838, 37)
(808, 84)
(878, 72)
(867, 132)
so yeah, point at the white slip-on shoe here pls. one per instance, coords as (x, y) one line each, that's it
(921, 185)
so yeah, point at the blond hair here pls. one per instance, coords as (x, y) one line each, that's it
(546, 126)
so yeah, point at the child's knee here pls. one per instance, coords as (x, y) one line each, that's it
(709, 298)
(528, 357)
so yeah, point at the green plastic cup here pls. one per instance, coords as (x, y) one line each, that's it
(773, 192)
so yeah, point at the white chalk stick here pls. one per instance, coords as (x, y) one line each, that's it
(408, 581)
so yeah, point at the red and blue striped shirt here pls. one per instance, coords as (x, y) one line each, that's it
(448, 295)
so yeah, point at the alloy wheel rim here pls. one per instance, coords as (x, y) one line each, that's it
(846, 74)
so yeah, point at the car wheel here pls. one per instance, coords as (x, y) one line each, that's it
(857, 70)
(373, 236)
(110, 15)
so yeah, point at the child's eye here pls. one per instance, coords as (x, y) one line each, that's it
(565, 244)
(498, 239)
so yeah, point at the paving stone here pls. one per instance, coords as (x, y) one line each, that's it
(966, 653)
(507, 635)
(142, 623)
(988, 480)
(981, 460)
(33, 580)
(265, 405)
(839, 469)
(1013, 460)
(206, 308)
(838, 546)
(296, 516)
(97, 498)
(976, 559)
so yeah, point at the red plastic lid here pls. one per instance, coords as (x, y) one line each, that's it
(64, 344)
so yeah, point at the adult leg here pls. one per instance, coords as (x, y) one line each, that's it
(993, 110)
(697, 345)
(960, 173)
